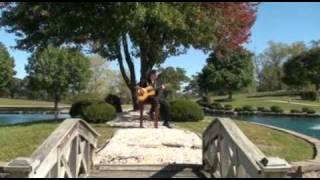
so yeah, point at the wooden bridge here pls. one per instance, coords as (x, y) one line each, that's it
(69, 152)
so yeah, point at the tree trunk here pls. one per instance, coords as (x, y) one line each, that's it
(230, 95)
(133, 80)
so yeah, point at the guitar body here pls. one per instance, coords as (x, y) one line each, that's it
(144, 93)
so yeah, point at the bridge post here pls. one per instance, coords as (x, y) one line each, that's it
(274, 167)
(20, 168)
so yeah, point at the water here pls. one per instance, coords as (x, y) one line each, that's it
(305, 125)
(6, 119)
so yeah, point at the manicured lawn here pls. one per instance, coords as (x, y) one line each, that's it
(23, 140)
(21, 102)
(285, 102)
(271, 142)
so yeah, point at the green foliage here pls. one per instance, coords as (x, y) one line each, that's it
(304, 68)
(295, 111)
(84, 97)
(174, 77)
(308, 110)
(185, 110)
(58, 71)
(155, 30)
(310, 95)
(7, 71)
(99, 113)
(248, 108)
(228, 107)
(295, 75)
(262, 109)
(77, 108)
(227, 74)
(238, 109)
(216, 105)
(276, 109)
(269, 64)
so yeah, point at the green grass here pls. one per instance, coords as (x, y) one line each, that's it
(21, 102)
(22, 140)
(270, 142)
(239, 100)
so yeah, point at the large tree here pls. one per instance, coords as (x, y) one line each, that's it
(311, 59)
(122, 31)
(303, 69)
(270, 62)
(7, 71)
(295, 72)
(227, 75)
(58, 71)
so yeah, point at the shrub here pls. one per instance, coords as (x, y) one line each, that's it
(228, 107)
(311, 111)
(248, 108)
(309, 95)
(266, 110)
(238, 109)
(78, 107)
(185, 110)
(99, 113)
(308, 110)
(262, 109)
(276, 109)
(217, 106)
(295, 111)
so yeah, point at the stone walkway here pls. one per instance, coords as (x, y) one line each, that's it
(131, 119)
(133, 145)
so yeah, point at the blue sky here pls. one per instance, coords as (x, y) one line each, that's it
(280, 22)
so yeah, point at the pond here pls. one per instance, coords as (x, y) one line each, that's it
(305, 125)
(6, 119)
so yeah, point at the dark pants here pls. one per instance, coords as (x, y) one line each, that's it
(165, 113)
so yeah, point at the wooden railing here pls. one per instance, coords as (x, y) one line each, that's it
(67, 152)
(227, 152)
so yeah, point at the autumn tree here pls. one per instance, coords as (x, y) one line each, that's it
(122, 31)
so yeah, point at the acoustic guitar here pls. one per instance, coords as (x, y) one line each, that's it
(144, 93)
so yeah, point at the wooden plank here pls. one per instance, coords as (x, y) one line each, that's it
(147, 174)
(147, 167)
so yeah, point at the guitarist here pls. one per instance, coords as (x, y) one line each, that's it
(155, 81)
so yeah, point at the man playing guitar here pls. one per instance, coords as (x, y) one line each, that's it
(154, 81)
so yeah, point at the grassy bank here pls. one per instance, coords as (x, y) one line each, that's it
(22, 140)
(271, 142)
(287, 103)
(22, 102)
